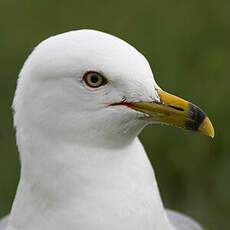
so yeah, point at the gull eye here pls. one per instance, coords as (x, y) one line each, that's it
(94, 79)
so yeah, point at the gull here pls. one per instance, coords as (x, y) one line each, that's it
(82, 98)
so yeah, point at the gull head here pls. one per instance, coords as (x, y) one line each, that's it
(93, 88)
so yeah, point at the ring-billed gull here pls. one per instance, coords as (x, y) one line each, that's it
(81, 100)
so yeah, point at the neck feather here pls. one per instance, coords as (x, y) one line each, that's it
(86, 188)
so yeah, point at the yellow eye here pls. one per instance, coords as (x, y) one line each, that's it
(94, 79)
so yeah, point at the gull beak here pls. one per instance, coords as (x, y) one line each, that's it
(176, 111)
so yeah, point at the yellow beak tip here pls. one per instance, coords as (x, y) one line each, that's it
(206, 128)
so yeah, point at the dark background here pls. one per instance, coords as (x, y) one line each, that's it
(188, 46)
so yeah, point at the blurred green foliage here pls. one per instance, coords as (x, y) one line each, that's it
(188, 46)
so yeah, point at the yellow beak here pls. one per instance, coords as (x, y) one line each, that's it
(176, 111)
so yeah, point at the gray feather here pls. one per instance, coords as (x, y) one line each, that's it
(182, 222)
(3, 223)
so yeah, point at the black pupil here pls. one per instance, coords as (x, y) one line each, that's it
(94, 78)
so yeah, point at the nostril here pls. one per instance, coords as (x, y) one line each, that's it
(177, 108)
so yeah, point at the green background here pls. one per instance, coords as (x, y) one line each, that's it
(188, 46)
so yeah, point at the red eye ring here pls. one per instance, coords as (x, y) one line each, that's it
(94, 79)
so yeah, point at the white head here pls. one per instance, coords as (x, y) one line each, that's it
(53, 98)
